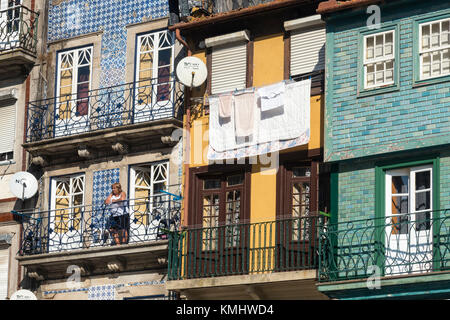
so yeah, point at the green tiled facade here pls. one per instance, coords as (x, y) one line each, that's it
(370, 131)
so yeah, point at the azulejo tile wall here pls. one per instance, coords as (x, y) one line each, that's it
(102, 184)
(71, 18)
(403, 119)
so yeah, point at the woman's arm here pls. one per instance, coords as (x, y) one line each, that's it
(108, 200)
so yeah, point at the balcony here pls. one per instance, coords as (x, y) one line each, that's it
(99, 238)
(18, 40)
(132, 113)
(266, 260)
(407, 252)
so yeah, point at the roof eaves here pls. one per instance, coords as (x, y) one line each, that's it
(220, 17)
(336, 5)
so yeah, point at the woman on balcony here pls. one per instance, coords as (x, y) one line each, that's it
(119, 220)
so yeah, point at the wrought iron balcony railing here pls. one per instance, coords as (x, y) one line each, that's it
(395, 245)
(237, 249)
(18, 29)
(88, 226)
(98, 109)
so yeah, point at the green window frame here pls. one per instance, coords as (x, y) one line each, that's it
(417, 23)
(380, 194)
(392, 85)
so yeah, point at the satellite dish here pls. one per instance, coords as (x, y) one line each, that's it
(191, 71)
(23, 185)
(23, 295)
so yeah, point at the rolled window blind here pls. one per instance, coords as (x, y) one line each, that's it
(307, 50)
(7, 128)
(229, 67)
(4, 261)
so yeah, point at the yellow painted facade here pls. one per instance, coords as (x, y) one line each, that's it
(268, 69)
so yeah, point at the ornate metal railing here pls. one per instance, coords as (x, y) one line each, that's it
(395, 245)
(98, 109)
(236, 249)
(18, 29)
(88, 226)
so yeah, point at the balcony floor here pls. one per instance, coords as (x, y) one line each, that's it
(433, 285)
(146, 133)
(293, 285)
(15, 63)
(98, 260)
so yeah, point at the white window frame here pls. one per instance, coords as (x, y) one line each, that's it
(13, 132)
(151, 167)
(159, 37)
(384, 59)
(61, 242)
(73, 118)
(141, 230)
(441, 49)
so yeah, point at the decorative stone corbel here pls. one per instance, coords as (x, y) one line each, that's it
(85, 152)
(37, 274)
(39, 160)
(120, 147)
(168, 140)
(86, 269)
(116, 265)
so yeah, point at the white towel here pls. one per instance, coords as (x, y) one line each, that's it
(271, 96)
(290, 120)
(225, 105)
(244, 113)
(221, 131)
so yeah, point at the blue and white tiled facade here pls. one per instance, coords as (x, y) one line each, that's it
(102, 184)
(73, 18)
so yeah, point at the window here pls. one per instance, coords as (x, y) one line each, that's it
(221, 210)
(307, 45)
(4, 272)
(434, 49)
(155, 54)
(66, 215)
(147, 201)
(379, 59)
(7, 132)
(73, 85)
(13, 15)
(228, 61)
(221, 205)
(409, 219)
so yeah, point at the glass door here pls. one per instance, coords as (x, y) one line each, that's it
(154, 94)
(73, 86)
(66, 214)
(408, 220)
(149, 206)
(10, 23)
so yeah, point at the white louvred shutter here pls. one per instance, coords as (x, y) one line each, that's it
(307, 50)
(229, 67)
(4, 261)
(7, 128)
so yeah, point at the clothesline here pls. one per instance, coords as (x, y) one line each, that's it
(259, 120)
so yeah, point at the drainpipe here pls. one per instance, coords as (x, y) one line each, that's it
(187, 136)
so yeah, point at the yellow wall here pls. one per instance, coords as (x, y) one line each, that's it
(268, 69)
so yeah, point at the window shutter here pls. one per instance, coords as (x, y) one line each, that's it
(4, 260)
(307, 50)
(229, 67)
(7, 128)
